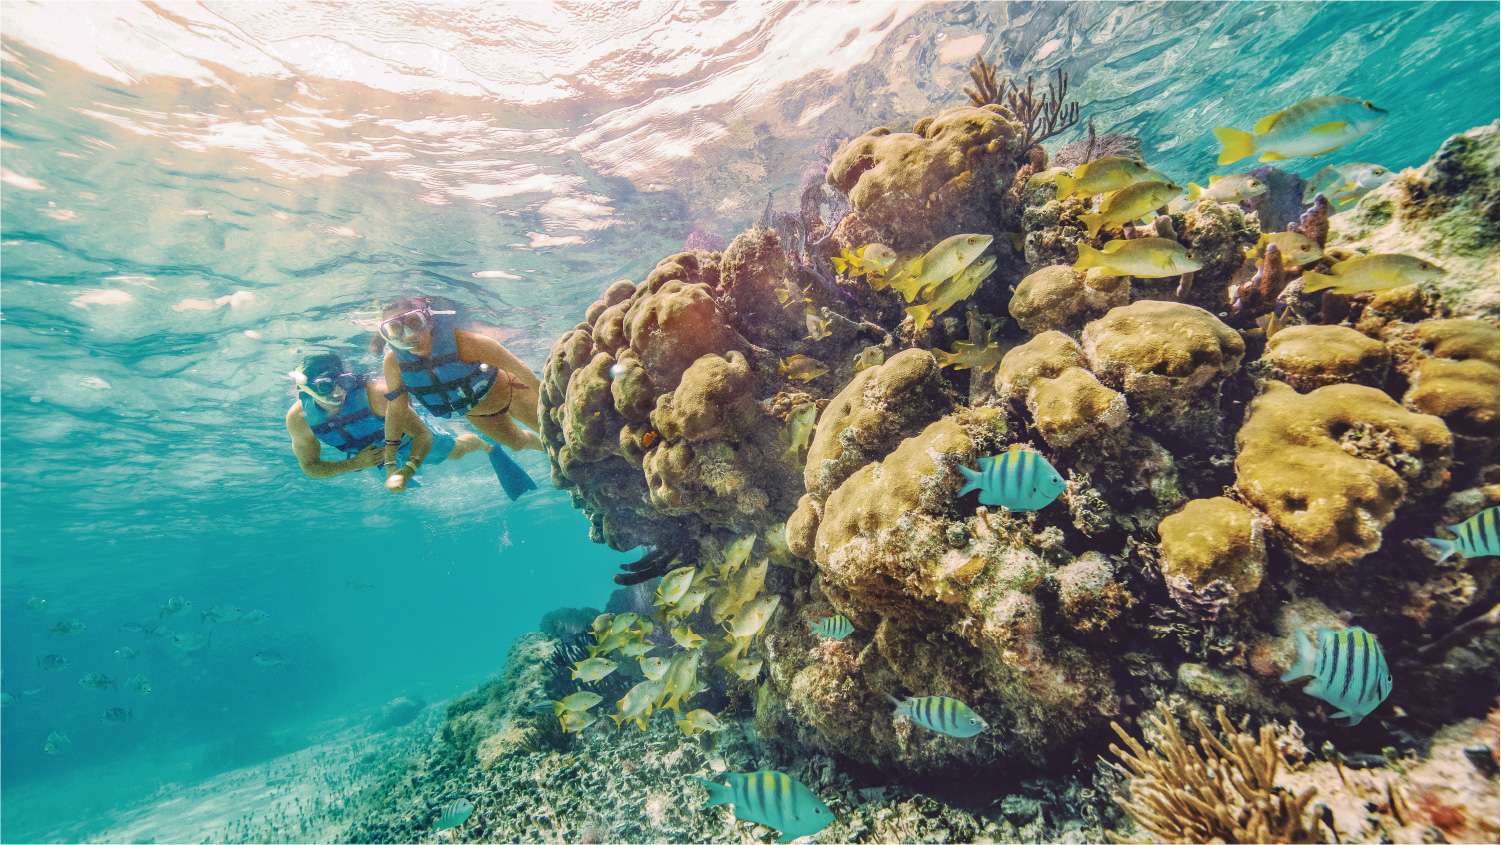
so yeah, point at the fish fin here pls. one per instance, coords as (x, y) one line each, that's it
(896, 704)
(1066, 183)
(1304, 661)
(1446, 547)
(971, 480)
(1272, 157)
(1265, 124)
(788, 837)
(921, 315)
(1088, 257)
(1235, 144)
(1092, 223)
(1314, 282)
(1333, 127)
(1194, 190)
(840, 265)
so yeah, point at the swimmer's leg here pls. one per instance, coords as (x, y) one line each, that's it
(503, 430)
(465, 443)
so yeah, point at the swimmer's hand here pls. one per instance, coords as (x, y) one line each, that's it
(370, 456)
(396, 482)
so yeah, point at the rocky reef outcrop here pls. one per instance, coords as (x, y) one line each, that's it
(1230, 485)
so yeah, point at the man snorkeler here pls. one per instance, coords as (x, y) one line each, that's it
(349, 412)
(452, 370)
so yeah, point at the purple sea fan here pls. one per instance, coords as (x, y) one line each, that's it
(702, 239)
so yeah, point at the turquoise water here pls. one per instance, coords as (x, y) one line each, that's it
(191, 201)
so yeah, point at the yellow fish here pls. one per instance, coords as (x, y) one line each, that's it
(1130, 203)
(1296, 248)
(1104, 175)
(1228, 189)
(800, 367)
(686, 637)
(951, 292)
(578, 702)
(689, 603)
(747, 668)
(574, 721)
(636, 648)
(611, 643)
(681, 680)
(800, 428)
(737, 647)
(675, 584)
(653, 668)
(1044, 177)
(638, 703)
(943, 262)
(754, 616)
(818, 327)
(966, 355)
(735, 593)
(592, 669)
(1148, 258)
(736, 554)
(870, 356)
(1366, 273)
(601, 624)
(873, 260)
(699, 721)
(1310, 128)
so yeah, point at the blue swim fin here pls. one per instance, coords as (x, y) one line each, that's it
(513, 479)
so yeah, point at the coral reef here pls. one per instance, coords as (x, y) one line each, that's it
(1213, 553)
(1445, 211)
(1060, 297)
(1309, 357)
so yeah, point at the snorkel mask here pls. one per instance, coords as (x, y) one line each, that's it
(402, 330)
(324, 378)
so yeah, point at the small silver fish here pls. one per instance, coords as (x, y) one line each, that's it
(269, 658)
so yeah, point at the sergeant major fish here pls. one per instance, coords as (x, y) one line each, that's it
(835, 627)
(1018, 479)
(771, 798)
(1475, 537)
(1348, 670)
(940, 714)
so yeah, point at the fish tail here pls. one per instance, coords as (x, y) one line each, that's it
(1306, 655)
(1088, 257)
(1066, 183)
(1194, 191)
(1313, 282)
(1235, 144)
(971, 480)
(840, 265)
(896, 705)
(1446, 548)
(718, 792)
(920, 316)
(1092, 223)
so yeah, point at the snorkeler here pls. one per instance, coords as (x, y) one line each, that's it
(457, 371)
(349, 412)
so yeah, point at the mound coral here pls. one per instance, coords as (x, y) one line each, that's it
(1331, 467)
(1309, 357)
(1213, 553)
(1060, 297)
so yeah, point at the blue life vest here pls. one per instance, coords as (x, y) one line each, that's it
(441, 382)
(349, 429)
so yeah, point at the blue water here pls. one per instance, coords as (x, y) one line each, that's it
(191, 200)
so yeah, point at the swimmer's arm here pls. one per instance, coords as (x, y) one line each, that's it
(309, 451)
(394, 407)
(481, 349)
(412, 426)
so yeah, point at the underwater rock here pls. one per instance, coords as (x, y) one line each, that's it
(1168, 358)
(1445, 211)
(1283, 201)
(754, 268)
(1053, 229)
(865, 420)
(1331, 467)
(1062, 298)
(912, 189)
(1213, 554)
(1092, 593)
(1309, 357)
(399, 711)
(1218, 235)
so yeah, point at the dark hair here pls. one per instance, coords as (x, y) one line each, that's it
(403, 305)
(319, 363)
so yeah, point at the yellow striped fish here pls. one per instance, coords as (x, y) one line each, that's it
(941, 714)
(771, 798)
(835, 627)
(1475, 537)
(1348, 670)
(1018, 479)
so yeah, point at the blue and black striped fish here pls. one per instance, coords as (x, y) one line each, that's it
(454, 813)
(1475, 537)
(1348, 670)
(773, 799)
(835, 627)
(1019, 479)
(941, 714)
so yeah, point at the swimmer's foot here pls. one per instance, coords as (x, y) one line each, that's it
(513, 478)
(465, 443)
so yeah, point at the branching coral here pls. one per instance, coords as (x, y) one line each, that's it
(1043, 115)
(1224, 789)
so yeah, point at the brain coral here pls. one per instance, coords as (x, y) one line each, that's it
(916, 188)
(1331, 467)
